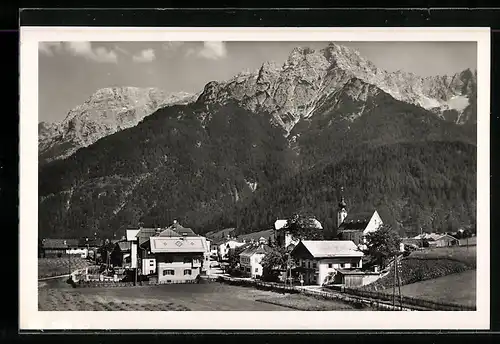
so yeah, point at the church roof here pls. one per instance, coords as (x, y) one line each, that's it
(356, 221)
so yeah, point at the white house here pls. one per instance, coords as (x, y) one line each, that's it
(251, 258)
(228, 245)
(319, 259)
(178, 259)
(132, 238)
(82, 252)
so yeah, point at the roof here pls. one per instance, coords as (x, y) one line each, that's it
(176, 227)
(144, 234)
(358, 272)
(176, 245)
(59, 243)
(260, 249)
(356, 221)
(168, 233)
(268, 233)
(217, 234)
(280, 224)
(429, 236)
(331, 248)
(131, 234)
(124, 245)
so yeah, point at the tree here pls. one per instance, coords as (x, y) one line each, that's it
(279, 259)
(303, 228)
(234, 256)
(383, 244)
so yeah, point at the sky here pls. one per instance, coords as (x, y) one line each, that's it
(70, 72)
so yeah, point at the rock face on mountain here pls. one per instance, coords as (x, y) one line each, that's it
(295, 89)
(269, 143)
(107, 111)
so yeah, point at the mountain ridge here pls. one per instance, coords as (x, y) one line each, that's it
(105, 112)
(203, 160)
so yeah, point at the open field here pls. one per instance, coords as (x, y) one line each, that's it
(429, 264)
(48, 267)
(457, 288)
(58, 296)
(462, 254)
(307, 303)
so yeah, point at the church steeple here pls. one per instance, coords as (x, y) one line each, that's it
(342, 210)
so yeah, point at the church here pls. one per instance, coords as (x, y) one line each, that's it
(356, 226)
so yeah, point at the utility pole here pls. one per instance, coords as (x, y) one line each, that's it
(394, 283)
(399, 285)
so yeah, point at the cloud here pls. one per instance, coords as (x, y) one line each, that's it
(210, 50)
(48, 48)
(172, 45)
(213, 50)
(146, 55)
(122, 50)
(82, 48)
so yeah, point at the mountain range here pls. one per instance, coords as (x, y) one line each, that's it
(266, 144)
(105, 112)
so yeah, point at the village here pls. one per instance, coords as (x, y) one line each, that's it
(281, 255)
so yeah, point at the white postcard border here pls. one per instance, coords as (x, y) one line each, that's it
(32, 319)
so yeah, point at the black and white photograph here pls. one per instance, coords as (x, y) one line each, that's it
(271, 173)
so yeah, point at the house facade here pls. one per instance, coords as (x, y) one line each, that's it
(53, 248)
(435, 240)
(318, 261)
(121, 254)
(133, 240)
(146, 261)
(178, 259)
(251, 258)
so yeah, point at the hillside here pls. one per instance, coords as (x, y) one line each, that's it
(267, 144)
(429, 184)
(185, 162)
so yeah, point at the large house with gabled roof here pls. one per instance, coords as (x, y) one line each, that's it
(317, 260)
(174, 254)
(251, 258)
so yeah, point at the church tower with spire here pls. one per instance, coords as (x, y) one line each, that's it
(342, 210)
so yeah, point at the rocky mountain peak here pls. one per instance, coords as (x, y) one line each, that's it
(105, 112)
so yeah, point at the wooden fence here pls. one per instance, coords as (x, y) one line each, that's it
(409, 301)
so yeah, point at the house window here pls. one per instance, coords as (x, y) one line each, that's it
(304, 263)
(330, 266)
(151, 272)
(342, 265)
(151, 263)
(256, 270)
(187, 272)
(248, 269)
(309, 265)
(314, 265)
(168, 272)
